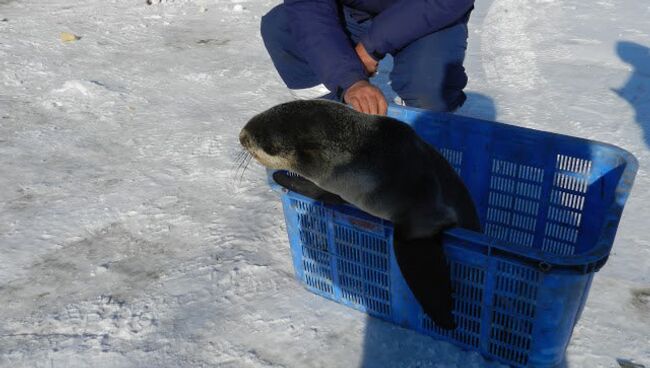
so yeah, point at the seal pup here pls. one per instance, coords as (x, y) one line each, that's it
(383, 167)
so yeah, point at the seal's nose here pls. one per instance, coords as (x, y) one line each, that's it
(244, 138)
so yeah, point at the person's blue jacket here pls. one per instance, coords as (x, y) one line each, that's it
(319, 31)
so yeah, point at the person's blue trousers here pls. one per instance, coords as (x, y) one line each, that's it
(428, 73)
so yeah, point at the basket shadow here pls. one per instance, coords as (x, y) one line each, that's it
(388, 345)
(636, 90)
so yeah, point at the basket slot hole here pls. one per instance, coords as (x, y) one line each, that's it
(306, 208)
(557, 247)
(531, 173)
(526, 206)
(565, 199)
(318, 283)
(514, 308)
(573, 164)
(564, 216)
(563, 233)
(502, 184)
(359, 240)
(315, 255)
(368, 259)
(311, 223)
(314, 240)
(513, 202)
(570, 181)
(454, 157)
(468, 297)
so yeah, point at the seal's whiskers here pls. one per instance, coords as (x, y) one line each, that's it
(242, 159)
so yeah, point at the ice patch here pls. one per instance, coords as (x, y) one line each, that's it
(198, 77)
(11, 79)
(83, 88)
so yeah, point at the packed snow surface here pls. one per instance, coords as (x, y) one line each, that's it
(129, 239)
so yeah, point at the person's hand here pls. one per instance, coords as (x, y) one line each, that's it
(366, 98)
(369, 63)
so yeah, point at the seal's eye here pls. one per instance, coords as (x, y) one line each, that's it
(271, 150)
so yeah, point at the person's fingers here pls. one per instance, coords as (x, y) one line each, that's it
(373, 104)
(363, 102)
(355, 103)
(366, 98)
(383, 106)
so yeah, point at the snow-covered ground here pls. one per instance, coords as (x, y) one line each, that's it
(126, 239)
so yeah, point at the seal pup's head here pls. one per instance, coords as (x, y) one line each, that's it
(311, 138)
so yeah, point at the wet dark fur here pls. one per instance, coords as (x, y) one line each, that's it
(410, 183)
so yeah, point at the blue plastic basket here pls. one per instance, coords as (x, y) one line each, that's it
(549, 205)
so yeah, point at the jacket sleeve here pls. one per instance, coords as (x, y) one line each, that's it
(407, 20)
(318, 30)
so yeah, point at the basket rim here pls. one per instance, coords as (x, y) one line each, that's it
(397, 112)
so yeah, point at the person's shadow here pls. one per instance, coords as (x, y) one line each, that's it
(476, 106)
(636, 90)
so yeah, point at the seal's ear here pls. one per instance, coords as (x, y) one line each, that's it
(425, 270)
(300, 185)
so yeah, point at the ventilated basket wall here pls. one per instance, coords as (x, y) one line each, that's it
(549, 205)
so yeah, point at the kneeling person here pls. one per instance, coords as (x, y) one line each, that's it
(332, 47)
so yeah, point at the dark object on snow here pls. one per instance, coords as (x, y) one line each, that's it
(624, 363)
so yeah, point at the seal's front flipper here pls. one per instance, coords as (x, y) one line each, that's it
(300, 185)
(424, 267)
